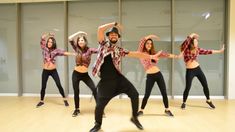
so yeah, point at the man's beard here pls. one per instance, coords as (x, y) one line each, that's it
(113, 41)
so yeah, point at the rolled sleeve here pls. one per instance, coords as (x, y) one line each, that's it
(204, 51)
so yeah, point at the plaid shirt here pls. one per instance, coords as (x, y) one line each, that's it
(190, 55)
(147, 63)
(84, 58)
(105, 48)
(49, 55)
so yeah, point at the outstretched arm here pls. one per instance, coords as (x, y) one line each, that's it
(69, 53)
(141, 55)
(218, 51)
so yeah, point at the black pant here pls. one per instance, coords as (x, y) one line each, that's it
(120, 85)
(151, 79)
(76, 78)
(190, 74)
(54, 74)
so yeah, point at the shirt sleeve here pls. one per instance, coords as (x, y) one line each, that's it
(73, 45)
(204, 51)
(123, 52)
(60, 52)
(93, 50)
(141, 45)
(103, 42)
(186, 43)
(43, 43)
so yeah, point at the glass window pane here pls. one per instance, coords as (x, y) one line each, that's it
(205, 17)
(87, 16)
(141, 18)
(37, 19)
(8, 49)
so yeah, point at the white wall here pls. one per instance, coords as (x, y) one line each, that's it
(231, 60)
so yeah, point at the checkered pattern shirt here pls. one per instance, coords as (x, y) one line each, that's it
(147, 63)
(105, 48)
(190, 55)
(84, 58)
(49, 55)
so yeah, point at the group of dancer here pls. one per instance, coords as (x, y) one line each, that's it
(107, 66)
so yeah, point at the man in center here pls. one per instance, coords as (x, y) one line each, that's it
(107, 67)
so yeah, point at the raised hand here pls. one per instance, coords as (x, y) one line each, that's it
(222, 49)
(51, 34)
(44, 35)
(194, 35)
(152, 36)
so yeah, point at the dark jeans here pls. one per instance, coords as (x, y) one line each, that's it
(190, 74)
(54, 74)
(151, 79)
(120, 85)
(76, 78)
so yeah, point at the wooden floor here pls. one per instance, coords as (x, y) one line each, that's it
(19, 114)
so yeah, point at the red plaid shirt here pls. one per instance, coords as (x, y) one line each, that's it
(49, 55)
(190, 55)
(147, 63)
(85, 59)
(105, 48)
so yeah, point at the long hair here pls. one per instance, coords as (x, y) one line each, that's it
(86, 43)
(191, 46)
(53, 43)
(152, 50)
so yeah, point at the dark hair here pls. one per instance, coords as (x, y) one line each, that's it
(190, 46)
(53, 43)
(152, 50)
(86, 43)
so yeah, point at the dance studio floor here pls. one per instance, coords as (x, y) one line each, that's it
(19, 114)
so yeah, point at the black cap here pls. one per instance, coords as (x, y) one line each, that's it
(113, 30)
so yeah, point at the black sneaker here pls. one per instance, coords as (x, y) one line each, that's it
(75, 113)
(210, 104)
(183, 106)
(66, 103)
(137, 123)
(168, 112)
(140, 113)
(96, 128)
(40, 104)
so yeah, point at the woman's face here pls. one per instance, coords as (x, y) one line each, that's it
(50, 43)
(81, 42)
(148, 45)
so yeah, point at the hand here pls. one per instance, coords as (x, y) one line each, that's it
(51, 34)
(194, 35)
(222, 49)
(44, 35)
(156, 56)
(118, 25)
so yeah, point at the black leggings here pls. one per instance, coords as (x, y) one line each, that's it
(122, 85)
(190, 74)
(76, 78)
(54, 74)
(151, 79)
